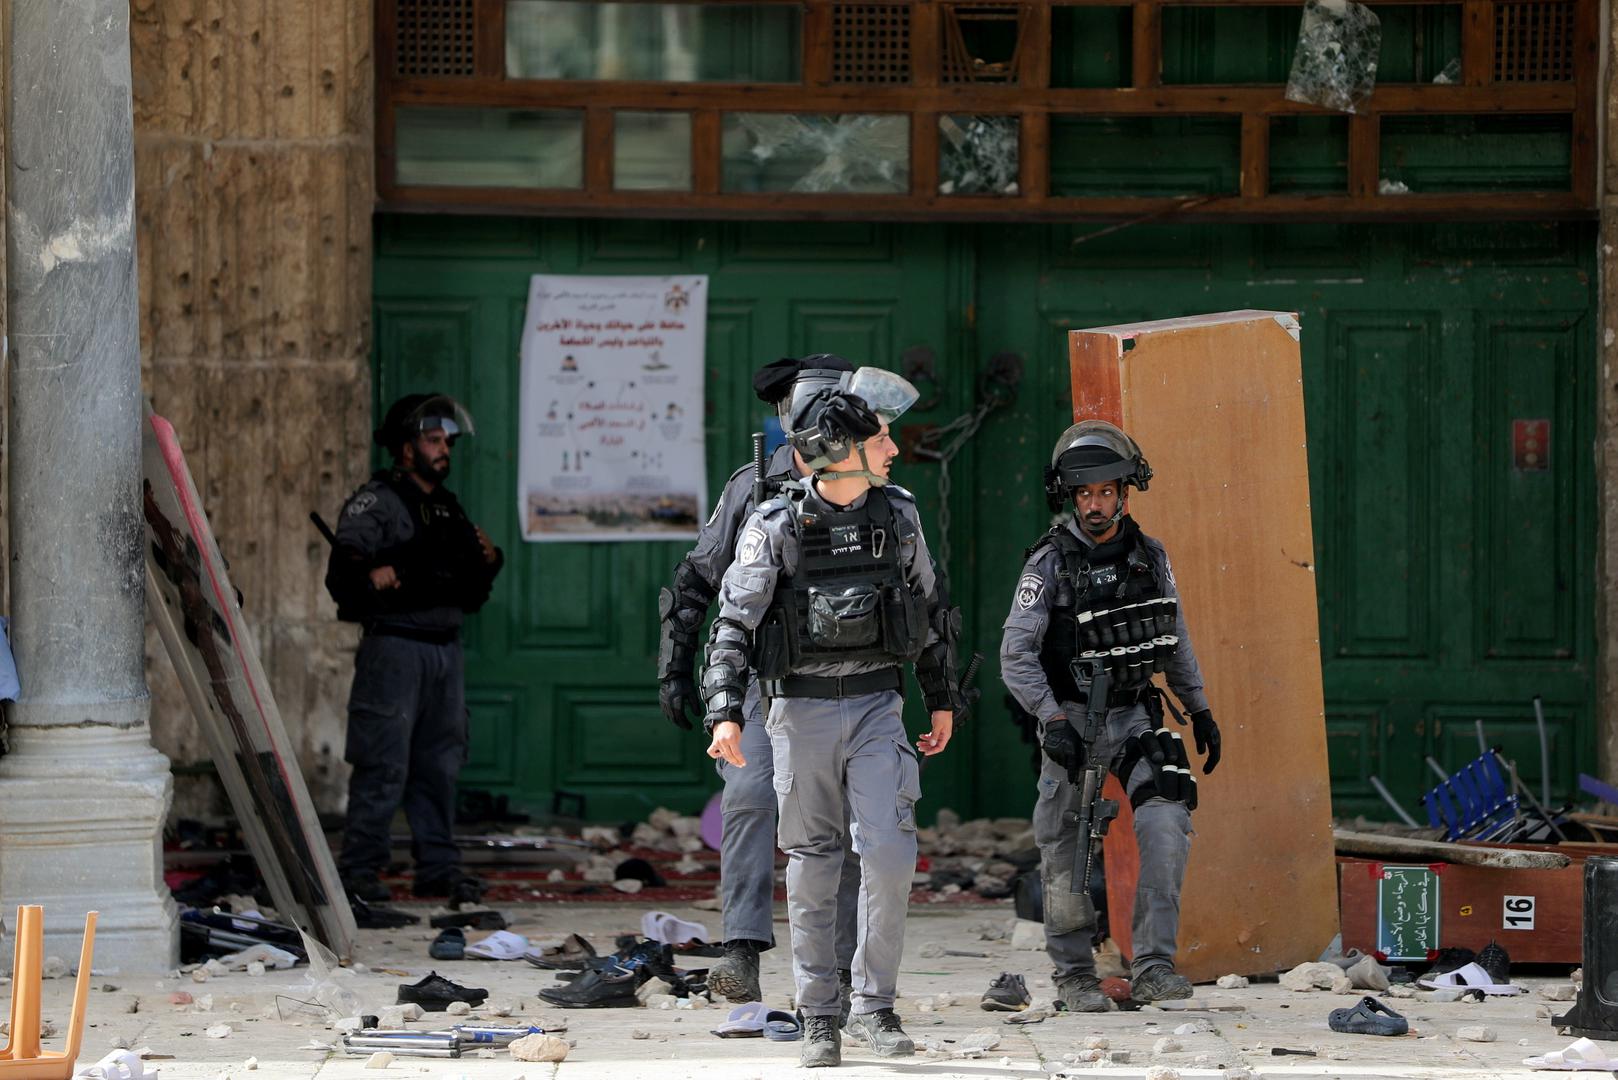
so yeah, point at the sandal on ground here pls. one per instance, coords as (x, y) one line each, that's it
(1369, 1017)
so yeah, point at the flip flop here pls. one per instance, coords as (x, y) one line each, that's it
(500, 945)
(662, 927)
(1580, 1055)
(745, 1021)
(118, 1065)
(782, 1027)
(450, 944)
(1369, 1017)
(1470, 977)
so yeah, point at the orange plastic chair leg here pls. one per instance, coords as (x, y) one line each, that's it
(22, 1058)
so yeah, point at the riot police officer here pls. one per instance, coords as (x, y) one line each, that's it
(831, 590)
(1096, 589)
(747, 845)
(409, 567)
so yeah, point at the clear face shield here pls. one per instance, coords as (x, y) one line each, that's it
(888, 395)
(440, 412)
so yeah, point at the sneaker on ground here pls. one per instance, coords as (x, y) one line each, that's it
(821, 1046)
(735, 974)
(1159, 983)
(1081, 993)
(1007, 993)
(880, 1031)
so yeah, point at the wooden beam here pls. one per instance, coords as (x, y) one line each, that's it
(1364, 155)
(598, 150)
(817, 44)
(1498, 856)
(1034, 70)
(1034, 158)
(1146, 67)
(924, 155)
(706, 150)
(489, 38)
(1255, 182)
(1389, 99)
(1477, 42)
(1585, 165)
(926, 45)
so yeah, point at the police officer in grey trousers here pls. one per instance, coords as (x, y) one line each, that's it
(747, 844)
(1095, 586)
(831, 590)
(409, 566)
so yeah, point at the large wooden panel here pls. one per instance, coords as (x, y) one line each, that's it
(1232, 507)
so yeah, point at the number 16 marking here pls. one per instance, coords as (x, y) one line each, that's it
(1519, 914)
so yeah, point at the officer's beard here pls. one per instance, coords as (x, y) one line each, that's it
(432, 470)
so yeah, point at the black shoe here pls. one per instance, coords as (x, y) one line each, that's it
(821, 1045)
(378, 917)
(1007, 993)
(1448, 960)
(595, 990)
(470, 920)
(881, 1031)
(1493, 959)
(367, 886)
(845, 995)
(735, 975)
(434, 993)
(1159, 983)
(1077, 993)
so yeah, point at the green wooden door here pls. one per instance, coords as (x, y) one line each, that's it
(1454, 584)
(561, 663)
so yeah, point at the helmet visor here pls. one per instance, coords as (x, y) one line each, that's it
(440, 412)
(887, 394)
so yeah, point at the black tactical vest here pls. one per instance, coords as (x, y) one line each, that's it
(848, 599)
(440, 565)
(1108, 604)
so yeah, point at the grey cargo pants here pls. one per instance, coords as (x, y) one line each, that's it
(407, 741)
(844, 766)
(1162, 834)
(747, 848)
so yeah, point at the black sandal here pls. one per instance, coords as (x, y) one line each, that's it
(1363, 1019)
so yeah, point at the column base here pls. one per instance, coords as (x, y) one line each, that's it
(81, 829)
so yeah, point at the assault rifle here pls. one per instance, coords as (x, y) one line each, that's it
(1094, 813)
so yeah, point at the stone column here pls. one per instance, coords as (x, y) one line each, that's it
(83, 795)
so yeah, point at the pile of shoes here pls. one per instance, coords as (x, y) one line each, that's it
(590, 981)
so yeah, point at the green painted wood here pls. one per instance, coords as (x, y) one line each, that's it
(1452, 585)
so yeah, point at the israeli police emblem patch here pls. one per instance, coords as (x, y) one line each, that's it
(361, 503)
(1029, 589)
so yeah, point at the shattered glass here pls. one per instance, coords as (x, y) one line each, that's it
(977, 155)
(1334, 66)
(816, 153)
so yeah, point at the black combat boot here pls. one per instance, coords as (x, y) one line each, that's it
(1082, 993)
(1159, 983)
(822, 1046)
(735, 975)
(367, 886)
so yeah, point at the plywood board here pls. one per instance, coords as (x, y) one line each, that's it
(199, 616)
(1216, 403)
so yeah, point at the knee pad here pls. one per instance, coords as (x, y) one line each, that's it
(1171, 777)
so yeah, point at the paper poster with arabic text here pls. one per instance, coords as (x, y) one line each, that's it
(612, 412)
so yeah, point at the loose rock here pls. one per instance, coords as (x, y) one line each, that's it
(539, 1048)
(251, 1064)
(1162, 1072)
(458, 1008)
(218, 1031)
(1317, 976)
(255, 967)
(1166, 1045)
(1558, 992)
(639, 1034)
(1400, 990)
(1028, 935)
(379, 1060)
(54, 967)
(1232, 982)
(653, 987)
(1477, 1033)
(1096, 1042)
(180, 997)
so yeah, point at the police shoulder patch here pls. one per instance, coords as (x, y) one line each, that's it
(360, 503)
(752, 543)
(1030, 587)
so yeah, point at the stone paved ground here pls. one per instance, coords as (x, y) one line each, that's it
(676, 1045)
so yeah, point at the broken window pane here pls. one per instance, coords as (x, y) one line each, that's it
(472, 147)
(1339, 43)
(977, 155)
(586, 39)
(651, 151)
(820, 153)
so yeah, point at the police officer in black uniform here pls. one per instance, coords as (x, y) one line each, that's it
(1097, 590)
(409, 566)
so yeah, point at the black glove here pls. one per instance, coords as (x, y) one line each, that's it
(1061, 744)
(678, 696)
(1206, 732)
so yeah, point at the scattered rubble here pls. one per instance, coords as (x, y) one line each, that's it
(1028, 935)
(1559, 992)
(1478, 1033)
(539, 1048)
(1317, 976)
(1232, 982)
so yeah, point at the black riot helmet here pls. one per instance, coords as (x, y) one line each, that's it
(791, 382)
(1093, 452)
(415, 413)
(826, 422)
